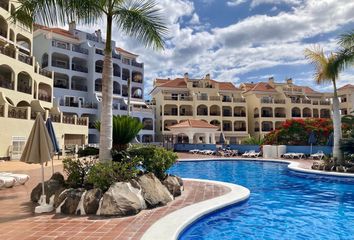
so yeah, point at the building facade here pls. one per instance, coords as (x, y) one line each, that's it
(26, 89)
(218, 103)
(346, 99)
(76, 58)
(271, 103)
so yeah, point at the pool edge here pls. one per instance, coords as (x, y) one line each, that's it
(172, 225)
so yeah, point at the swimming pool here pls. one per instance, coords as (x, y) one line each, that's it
(283, 204)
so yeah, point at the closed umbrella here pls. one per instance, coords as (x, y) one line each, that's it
(312, 140)
(53, 138)
(222, 138)
(39, 149)
(330, 141)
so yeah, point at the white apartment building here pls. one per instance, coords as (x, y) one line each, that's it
(346, 99)
(76, 58)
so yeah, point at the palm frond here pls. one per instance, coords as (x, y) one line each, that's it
(141, 19)
(346, 40)
(319, 60)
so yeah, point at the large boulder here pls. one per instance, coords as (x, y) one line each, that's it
(92, 200)
(154, 192)
(53, 185)
(60, 197)
(350, 170)
(173, 185)
(121, 199)
(71, 202)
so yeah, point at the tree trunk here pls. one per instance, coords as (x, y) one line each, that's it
(106, 130)
(337, 127)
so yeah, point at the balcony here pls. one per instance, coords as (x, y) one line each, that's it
(82, 121)
(174, 98)
(69, 119)
(44, 97)
(226, 99)
(267, 129)
(241, 129)
(99, 51)
(186, 98)
(280, 115)
(61, 44)
(7, 51)
(202, 98)
(69, 104)
(186, 113)
(266, 100)
(170, 113)
(82, 88)
(25, 59)
(16, 112)
(239, 114)
(79, 68)
(214, 98)
(55, 117)
(267, 115)
(279, 101)
(239, 100)
(2, 110)
(325, 103)
(116, 56)
(79, 49)
(148, 127)
(45, 73)
(306, 101)
(136, 64)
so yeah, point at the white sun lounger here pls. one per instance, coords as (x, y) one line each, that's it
(194, 151)
(297, 155)
(20, 178)
(319, 155)
(254, 154)
(245, 154)
(7, 182)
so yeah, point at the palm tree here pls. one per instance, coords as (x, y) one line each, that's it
(345, 55)
(137, 18)
(326, 70)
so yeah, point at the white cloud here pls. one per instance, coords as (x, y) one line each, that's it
(233, 3)
(256, 3)
(195, 19)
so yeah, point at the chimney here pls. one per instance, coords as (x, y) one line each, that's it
(207, 77)
(99, 35)
(72, 26)
(289, 81)
(186, 77)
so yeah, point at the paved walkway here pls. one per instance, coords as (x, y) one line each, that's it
(17, 220)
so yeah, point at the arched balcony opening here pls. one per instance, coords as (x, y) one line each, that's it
(168, 123)
(202, 110)
(34, 89)
(278, 125)
(61, 81)
(170, 110)
(147, 139)
(125, 91)
(24, 43)
(325, 113)
(99, 66)
(256, 113)
(24, 83)
(5, 4)
(44, 60)
(116, 88)
(280, 112)
(239, 112)
(137, 77)
(295, 112)
(79, 65)
(227, 126)
(239, 126)
(12, 35)
(315, 113)
(216, 123)
(79, 83)
(60, 61)
(215, 110)
(137, 92)
(148, 124)
(116, 70)
(23, 104)
(98, 85)
(44, 92)
(226, 111)
(306, 113)
(125, 74)
(267, 126)
(7, 77)
(3, 27)
(267, 112)
(186, 110)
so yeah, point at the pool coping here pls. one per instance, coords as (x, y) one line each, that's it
(172, 225)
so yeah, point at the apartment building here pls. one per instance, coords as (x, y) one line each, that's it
(76, 58)
(26, 89)
(346, 99)
(270, 103)
(218, 103)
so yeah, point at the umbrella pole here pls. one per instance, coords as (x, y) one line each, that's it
(43, 191)
(43, 206)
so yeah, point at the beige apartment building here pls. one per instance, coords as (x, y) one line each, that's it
(218, 103)
(271, 103)
(346, 99)
(26, 90)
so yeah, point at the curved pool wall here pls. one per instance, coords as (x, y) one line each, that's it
(283, 204)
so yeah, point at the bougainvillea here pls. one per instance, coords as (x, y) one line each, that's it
(297, 132)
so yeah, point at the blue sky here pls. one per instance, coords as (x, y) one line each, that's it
(245, 40)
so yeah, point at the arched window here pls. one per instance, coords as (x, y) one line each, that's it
(295, 112)
(7, 77)
(24, 83)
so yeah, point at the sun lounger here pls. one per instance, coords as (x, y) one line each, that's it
(319, 155)
(245, 154)
(254, 154)
(20, 178)
(297, 155)
(7, 182)
(287, 155)
(194, 151)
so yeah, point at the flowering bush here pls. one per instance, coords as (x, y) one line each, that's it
(297, 132)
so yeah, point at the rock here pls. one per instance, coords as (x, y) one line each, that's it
(60, 197)
(72, 200)
(92, 200)
(58, 177)
(350, 170)
(180, 181)
(154, 193)
(121, 199)
(173, 185)
(340, 169)
(50, 187)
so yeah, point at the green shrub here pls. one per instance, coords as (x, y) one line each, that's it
(76, 170)
(89, 151)
(155, 159)
(253, 141)
(103, 175)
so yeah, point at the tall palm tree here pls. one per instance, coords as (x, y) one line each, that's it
(345, 55)
(137, 18)
(326, 71)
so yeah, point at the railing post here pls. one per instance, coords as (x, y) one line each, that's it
(75, 119)
(28, 113)
(61, 117)
(6, 110)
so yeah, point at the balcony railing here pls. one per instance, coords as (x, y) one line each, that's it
(25, 59)
(2, 110)
(55, 117)
(202, 98)
(34, 115)
(265, 100)
(148, 127)
(79, 49)
(79, 68)
(7, 84)
(44, 97)
(325, 103)
(227, 128)
(68, 119)
(295, 101)
(45, 73)
(215, 113)
(7, 51)
(186, 98)
(280, 115)
(227, 99)
(227, 114)
(60, 44)
(116, 56)
(136, 64)
(241, 129)
(60, 65)
(306, 101)
(242, 114)
(267, 129)
(186, 113)
(16, 112)
(214, 98)
(279, 101)
(82, 88)
(24, 89)
(171, 98)
(267, 115)
(239, 100)
(170, 114)
(99, 51)
(81, 121)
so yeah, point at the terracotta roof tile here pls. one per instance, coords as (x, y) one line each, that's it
(347, 86)
(178, 83)
(227, 86)
(261, 87)
(193, 123)
(59, 31)
(125, 51)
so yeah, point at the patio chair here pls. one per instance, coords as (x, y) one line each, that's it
(297, 155)
(20, 178)
(254, 154)
(319, 155)
(7, 182)
(245, 154)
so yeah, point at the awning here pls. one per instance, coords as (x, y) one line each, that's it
(132, 102)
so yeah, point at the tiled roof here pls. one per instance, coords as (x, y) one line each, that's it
(59, 31)
(193, 123)
(261, 87)
(227, 86)
(125, 51)
(178, 83)
(346, 87)
(308, 90)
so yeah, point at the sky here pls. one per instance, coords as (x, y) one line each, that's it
(244, 40)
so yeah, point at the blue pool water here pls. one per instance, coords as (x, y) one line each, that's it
(283, 204)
